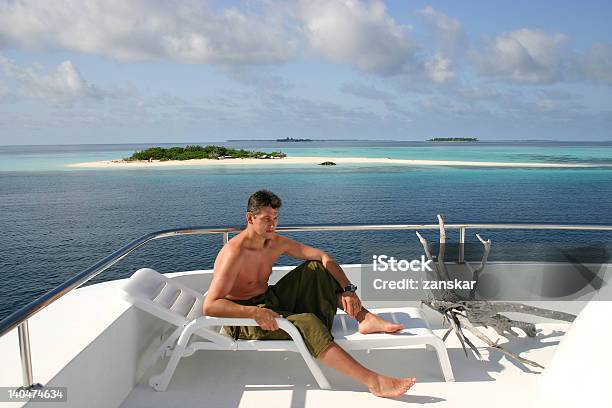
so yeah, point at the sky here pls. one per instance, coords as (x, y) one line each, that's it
(136, 71)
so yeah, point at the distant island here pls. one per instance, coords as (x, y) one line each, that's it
(291, 139)
(200, 152)
(453, 139)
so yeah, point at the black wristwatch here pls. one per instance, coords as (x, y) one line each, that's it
(349, 288)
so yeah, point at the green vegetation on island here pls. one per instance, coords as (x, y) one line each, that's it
(453, 139)
(291, 139)
(201, 152)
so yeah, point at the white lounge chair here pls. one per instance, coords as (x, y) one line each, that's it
(182, 306)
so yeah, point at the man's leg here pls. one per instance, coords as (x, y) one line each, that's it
(335, 357)
(310, 288)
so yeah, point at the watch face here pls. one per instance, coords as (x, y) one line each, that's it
(349, 288)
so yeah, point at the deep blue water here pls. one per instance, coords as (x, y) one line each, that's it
(55, 223)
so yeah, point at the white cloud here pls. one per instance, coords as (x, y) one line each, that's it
(529, 56)
(358, 34)
(447, 31)
(63, 85)
(449, 36)
(187, 32)
(438, 68)
(524, 56)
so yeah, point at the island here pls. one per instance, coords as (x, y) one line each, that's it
(453, 139)
(214, 156)
(211, 152)
(291, 139)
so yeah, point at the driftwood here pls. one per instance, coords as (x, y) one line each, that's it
(465, 312)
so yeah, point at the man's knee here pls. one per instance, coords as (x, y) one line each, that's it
(322, 275)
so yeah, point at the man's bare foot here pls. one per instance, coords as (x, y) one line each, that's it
(372, 323)
(387, 387)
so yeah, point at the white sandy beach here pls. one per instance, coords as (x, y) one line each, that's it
(120, 164)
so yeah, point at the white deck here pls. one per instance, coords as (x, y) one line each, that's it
(248, 379)
(92, 342)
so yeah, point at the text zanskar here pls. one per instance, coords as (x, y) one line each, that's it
(412, 284)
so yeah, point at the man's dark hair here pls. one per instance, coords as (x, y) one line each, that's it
(263, 198)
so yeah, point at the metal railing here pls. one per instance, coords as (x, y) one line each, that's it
(20, 317)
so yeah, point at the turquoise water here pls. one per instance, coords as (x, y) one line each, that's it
(528, 154)
(56, 158)
(57, 162)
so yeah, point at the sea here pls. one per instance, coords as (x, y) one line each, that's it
(56, 221)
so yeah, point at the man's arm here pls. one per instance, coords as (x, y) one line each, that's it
(301, 251)
(224, 277)
(350, 302)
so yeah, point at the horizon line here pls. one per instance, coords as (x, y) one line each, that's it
(313, 140)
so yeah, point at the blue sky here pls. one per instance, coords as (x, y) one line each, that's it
(94, 71)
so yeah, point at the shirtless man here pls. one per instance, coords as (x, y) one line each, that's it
(241, 272)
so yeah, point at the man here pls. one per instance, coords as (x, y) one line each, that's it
(308, 296)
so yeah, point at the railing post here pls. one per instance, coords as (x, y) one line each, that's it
(225, 237)
(26, 357)
(461, 245)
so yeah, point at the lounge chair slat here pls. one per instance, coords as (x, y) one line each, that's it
(156, 290)
(167, 296)
(183, 304)
(196, 310)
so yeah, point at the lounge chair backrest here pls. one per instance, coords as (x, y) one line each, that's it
(163, 297)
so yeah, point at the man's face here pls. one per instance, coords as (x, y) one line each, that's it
(265, 221)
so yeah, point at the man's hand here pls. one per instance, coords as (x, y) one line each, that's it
(266, 318)
(351, 303)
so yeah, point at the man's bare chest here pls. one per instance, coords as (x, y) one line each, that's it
(256, 265)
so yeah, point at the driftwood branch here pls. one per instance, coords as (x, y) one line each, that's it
(468, 325)
(467, 313)
(483, 262)
(442, 271)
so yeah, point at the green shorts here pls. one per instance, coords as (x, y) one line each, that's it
(307, 297)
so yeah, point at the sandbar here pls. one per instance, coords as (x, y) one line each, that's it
(122, 164)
